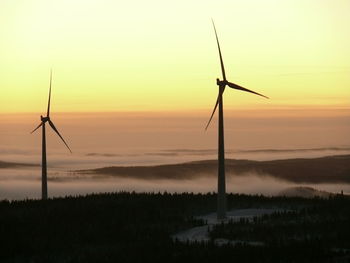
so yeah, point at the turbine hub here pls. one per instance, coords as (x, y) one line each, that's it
(221, 83)
(44, 119)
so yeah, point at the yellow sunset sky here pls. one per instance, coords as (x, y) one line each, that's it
(161, 55)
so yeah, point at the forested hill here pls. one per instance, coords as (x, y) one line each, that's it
(14, 165)
(330, 169)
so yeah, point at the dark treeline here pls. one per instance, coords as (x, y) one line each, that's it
(135, 227)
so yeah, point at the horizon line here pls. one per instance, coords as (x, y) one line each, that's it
(191, 110)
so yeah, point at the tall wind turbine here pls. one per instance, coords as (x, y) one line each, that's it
(43, 163)
(221, 205)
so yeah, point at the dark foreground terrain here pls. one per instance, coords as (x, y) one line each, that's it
(130, 227)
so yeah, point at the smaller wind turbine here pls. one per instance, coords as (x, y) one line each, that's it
(43, 163)
(221, 208)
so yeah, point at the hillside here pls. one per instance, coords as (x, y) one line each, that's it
(14, 165)
(330, 169)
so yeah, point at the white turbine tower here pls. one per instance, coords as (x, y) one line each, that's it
(221, 205)
(43, 163)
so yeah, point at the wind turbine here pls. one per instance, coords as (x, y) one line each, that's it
(43, 162)
(221, 205)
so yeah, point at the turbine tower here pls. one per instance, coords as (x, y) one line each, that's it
(43, 162)
(221, 205)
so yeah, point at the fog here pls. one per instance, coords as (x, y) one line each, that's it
(26, 183)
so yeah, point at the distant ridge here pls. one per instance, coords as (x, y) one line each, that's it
(204, 152)
(331, 169)
(13, 165)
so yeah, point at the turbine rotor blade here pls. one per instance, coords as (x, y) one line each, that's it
(235, 86)
(221, 61)
(216, 105)
(41, 123)
(54, 128)
(48, 104)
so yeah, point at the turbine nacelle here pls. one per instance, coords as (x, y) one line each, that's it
(44, 119)
(221, 83)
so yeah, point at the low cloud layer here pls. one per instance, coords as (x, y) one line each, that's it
(248, 184)
(332, 169)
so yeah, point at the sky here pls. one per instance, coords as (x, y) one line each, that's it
(159, 55)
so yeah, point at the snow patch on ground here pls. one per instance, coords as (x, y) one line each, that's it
(200, 233)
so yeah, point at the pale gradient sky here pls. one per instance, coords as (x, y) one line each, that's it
(161, 55)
